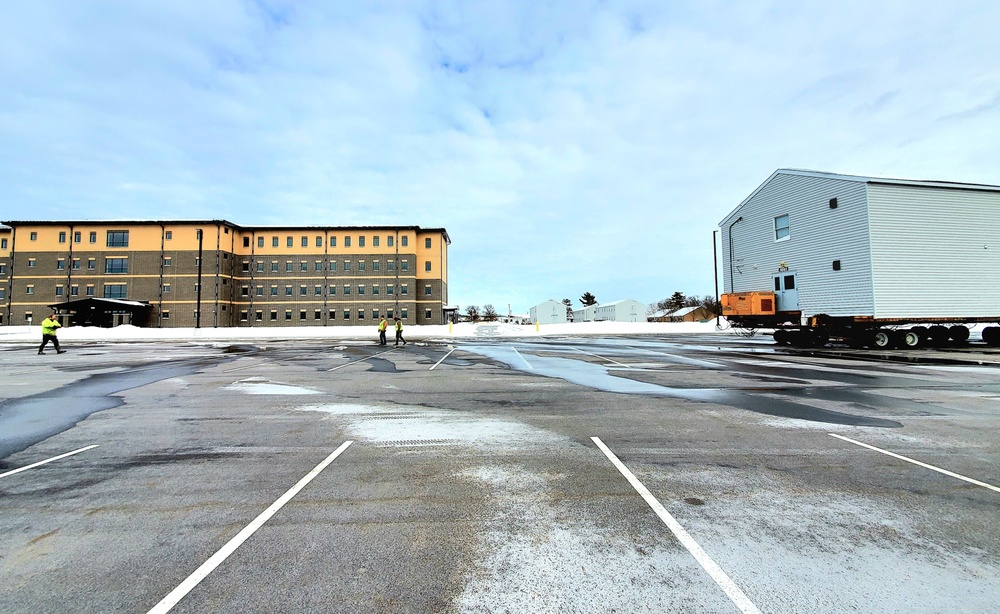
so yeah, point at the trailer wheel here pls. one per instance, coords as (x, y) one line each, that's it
(938, 334)
(882, 339)
(818, 338)
(780, 336)
(959, 334)
(908, 339)
(991, 335)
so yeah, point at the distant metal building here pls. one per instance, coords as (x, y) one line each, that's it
(549, 312)
(625, 310)
(843, 245)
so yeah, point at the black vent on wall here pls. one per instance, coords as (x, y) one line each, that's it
(833, 203)
(836, 265)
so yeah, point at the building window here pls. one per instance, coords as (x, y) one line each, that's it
(77, 237)
(361, 241)
(361, 265)
(59, 290)
(168, 261)
(781, 227)
(319, 241)
(347, 265)
(404, 240)
(33, 236)
(3, 243)
(347, 241)
(245, 291)
(166, 314)
(361, 314)
(347, 314)
(114, 291)
(260, 243)
(288, 243)
(274, 290)
(274, 315)
(427, 290)
(93, 237)
(288, 314)
(31, 263)
(74, 290)
(274, 266)
(374, 265)
(427, 265)
(76, 264)
(166, 288)
(288, 290)
(427, 243)
(244, 315)
(388, 241)
(288, 266)
(303, 266)
(333, 241)
(375, 290)
(318, 314)
(402, 314)
(427, 314)
(62, 236)
(305, 241)
(388, 289)
(258, 315)
(245, 266)
(61, 264)
(198, 234)
(92, 263)
(390, 266)
(90, 290)
(274, 241)
(374, 314)
(332, 290)
(404, 265)
(116, 265)
(333, 314)
(333, 265)
(259, 291)
(361, 290)
(347, 290)
(117, 238)
(302, 314)
(260, 267)
(318, 290)
(319, 265)
(246, 243)
(404, 290)
(375, 241)
(302, 290)
(168, 235)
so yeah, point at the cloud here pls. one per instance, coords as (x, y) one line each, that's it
(566, 146)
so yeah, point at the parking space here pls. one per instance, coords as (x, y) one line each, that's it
(701, 474)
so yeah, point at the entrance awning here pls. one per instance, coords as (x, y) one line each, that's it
(103, 311)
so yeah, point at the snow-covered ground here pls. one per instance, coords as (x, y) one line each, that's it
(411, 333)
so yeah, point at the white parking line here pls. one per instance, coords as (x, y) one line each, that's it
(208, 566)
(48, 460)
(442, 360)
(525, 360)
(736, 595)
(361, 359)
(916, 462)
(603, 358)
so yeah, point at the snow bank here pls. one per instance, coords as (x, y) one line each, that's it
(20, 334)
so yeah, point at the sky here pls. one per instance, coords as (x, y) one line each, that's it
(566, 146)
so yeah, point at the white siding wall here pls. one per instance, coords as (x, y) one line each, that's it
(628, 310)
(935, 252)
(549, 312)
(818, 235)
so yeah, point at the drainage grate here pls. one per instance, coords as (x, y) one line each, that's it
(410, 443)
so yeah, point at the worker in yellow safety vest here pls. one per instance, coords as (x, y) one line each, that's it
(49, 326)
(381, 331)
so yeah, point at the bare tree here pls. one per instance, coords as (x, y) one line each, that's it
(472, 311)
(489, 313)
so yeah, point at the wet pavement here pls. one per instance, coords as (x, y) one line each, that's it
(478, 486)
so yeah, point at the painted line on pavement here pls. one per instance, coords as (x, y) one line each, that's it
(603, 358)
(735, 594)
(916, 462)
(443, 359)
(523, 359)
(209, 566)
(48, 460)
(361, 360)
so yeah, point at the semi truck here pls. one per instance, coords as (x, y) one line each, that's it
(869, 261)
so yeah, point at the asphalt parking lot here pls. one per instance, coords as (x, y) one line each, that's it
(684, 474)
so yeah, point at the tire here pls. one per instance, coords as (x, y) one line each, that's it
(959, 334)
(818, 338)
(908, 339)
(882, 339)
(938, 335)
(781, 336)
(991, 335)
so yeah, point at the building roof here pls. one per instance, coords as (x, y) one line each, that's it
(948, 185)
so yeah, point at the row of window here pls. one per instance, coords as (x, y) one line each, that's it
(362, 290)
(120, 265)
(404, 241)
(119, 238)
(258, 315)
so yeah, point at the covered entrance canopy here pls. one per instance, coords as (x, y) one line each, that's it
(105, 312)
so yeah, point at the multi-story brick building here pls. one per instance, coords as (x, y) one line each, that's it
(216, 273)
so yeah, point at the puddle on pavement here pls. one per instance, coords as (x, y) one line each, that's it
(30, 420)
(599, 377)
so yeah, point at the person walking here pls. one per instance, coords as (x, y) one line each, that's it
(381, 331)
(399, 332)
(49, 326)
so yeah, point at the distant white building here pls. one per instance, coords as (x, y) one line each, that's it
(625, 310)
(549, 312)
(584, 315)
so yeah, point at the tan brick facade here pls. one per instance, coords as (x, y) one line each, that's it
(215, 273)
